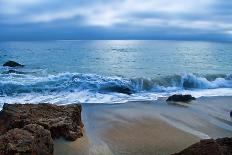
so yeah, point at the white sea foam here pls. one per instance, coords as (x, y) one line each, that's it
(67, 88)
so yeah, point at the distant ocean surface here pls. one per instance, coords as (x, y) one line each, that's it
(65, 72)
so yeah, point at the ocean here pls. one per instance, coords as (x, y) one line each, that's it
(113, 71)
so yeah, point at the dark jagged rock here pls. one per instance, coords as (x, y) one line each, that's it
(118, 89)
(180, 98)
(231, 113)
(122, 90)
(34, 125)
(12, 64)
(221, 146)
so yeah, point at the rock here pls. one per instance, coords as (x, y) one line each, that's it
(12, 72)
(118, 89)
(231, 113)
(122, 90)
(12, 64)
(180, 98)
(16, 141)
(62, 121)
(30, 127)
(221, 146)
(42, 139)
(33, 139)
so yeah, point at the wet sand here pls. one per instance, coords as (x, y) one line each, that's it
(146, 136)
(153, 127)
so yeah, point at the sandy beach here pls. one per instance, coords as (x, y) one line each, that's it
(154, 127)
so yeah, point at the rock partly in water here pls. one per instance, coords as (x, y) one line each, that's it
(122, 90)
(12, 64)
(180, 98)
(11, 71)
(231, 113)
(221, 146)
(31, 127)
(118, 89)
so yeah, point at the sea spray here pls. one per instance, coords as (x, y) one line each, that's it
(77, 87)
(69, 82)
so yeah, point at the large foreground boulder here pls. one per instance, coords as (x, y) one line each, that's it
(181, 98)
(32, 139)
(29, 128)
(12, 64)
(221, 146)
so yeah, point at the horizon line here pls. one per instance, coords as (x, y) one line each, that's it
(187, 40)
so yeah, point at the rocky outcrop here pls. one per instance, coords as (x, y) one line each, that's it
(12, 64)
(30, 128)
(32, 139)
(221, 146)
(180, 98)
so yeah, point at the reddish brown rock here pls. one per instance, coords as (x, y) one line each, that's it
(62, 121)
(29, 128)
(33, 139)
(221, 146)
(42, 139)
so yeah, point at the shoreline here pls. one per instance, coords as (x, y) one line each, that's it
(147, 127)
(139, 127)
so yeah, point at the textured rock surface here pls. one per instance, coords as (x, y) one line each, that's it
(29, 128)
(12, 64)
(181, 98)
(32, 139)
(221, 146)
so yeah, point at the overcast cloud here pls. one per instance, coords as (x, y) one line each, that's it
(116, 19)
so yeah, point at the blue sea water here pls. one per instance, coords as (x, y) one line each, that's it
(113, 71)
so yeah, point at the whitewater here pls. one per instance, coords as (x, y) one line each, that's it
(66, 88)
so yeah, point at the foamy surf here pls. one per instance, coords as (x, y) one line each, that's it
(67, 88)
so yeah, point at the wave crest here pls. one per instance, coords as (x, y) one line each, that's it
(71, 82)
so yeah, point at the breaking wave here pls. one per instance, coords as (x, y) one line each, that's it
(77, 87)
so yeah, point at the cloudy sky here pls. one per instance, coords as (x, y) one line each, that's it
(116, 19)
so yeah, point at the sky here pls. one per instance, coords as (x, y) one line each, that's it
(116, 19)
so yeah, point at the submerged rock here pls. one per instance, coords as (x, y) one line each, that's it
(12, 64)
(221, 146)
(181, 98)
(30, 127)
(11, 71)
(127, 91)
(119, 89)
